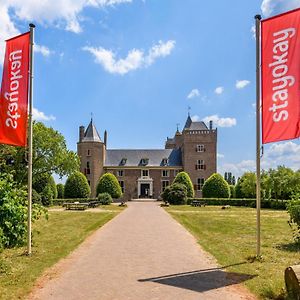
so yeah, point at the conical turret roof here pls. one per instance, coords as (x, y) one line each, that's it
(91, 134)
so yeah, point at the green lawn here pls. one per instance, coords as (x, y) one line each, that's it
(52, 240)
(230, 236)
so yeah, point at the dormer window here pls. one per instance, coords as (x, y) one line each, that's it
(123, 161)
(144, 161)
(165, 162)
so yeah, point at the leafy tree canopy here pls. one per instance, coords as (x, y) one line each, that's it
(215, 187)
(184, 178)
(108, 183)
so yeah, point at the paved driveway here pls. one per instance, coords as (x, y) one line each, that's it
(141, 254)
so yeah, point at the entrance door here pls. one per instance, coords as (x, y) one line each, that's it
(145, 190)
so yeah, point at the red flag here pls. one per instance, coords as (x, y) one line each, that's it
(280, 41)
(14, 91)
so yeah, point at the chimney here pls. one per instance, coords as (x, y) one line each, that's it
(105, 138)
(210, 125)
(81, 133)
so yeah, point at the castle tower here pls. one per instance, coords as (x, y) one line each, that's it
(91, 151)
(199, 152)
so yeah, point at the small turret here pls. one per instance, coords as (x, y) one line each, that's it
(105, 138)
(81, 133)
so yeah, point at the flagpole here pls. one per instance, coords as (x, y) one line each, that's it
(258, 146)
(31, 26)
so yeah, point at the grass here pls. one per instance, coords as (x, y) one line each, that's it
(52, 240)
(230, 236)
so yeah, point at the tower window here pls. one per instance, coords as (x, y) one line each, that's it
(164, 184)
(89, 152)
(122, 185)
(165, 173)
(200, 165)
(120, 173)
(200, 148)
(88, 170)
(200, 182)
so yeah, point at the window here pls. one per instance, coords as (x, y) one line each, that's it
(200, 148)
(89, 153)
(89, 182)
(200, 165)
(199, 185)
(145, 173)
(87, 170)
(164, 184)
(165, 162)
(120, 173)
(122, 185)
(165, 173)
(144, 161)
(123, 161)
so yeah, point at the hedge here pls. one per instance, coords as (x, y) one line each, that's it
(273, 204)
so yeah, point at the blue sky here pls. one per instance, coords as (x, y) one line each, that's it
(138, 65)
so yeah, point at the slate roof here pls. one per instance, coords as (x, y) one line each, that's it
(191, 125)
(91, 134)
(134, 156)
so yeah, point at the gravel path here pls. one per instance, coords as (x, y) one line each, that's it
(141, 254)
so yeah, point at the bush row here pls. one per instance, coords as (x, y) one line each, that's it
(274, 204)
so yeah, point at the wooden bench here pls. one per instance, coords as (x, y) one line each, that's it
(94, 204)
(75, 206)
(198, 203)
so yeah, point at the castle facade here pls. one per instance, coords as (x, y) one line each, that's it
(146, 173)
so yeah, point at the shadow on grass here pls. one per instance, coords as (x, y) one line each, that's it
(202, 280)
(290, 247)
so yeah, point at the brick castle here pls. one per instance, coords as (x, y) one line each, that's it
(145, 173)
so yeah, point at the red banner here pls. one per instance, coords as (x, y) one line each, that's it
(14, 91)
(280, 44)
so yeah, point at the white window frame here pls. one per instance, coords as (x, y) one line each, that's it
(167, 173)
(142, 173)
(200, 164)
(162, 184)
(200, 148)
(199, 183)
(120, 173)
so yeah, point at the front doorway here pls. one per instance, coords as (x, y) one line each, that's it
(145, 190)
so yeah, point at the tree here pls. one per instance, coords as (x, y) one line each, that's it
(60, 190)
(184, 178)
(215, 187)
(77, 186)
(248, 184)
(44, 184)
(175, 194)
(108, 183)
(50, 155)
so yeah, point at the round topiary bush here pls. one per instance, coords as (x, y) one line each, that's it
(184, 178)
(105, 198)
(60, 190)
(77, 186)
(175, 194)
(215, 187)
(108, 183)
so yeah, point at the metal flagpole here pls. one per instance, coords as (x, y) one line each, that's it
(257, 27)
(31, 26)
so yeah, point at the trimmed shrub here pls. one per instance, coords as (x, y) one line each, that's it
(175, 194)
(108, 183)
(60, 191)
(184, 178)
(36, 197)
(215, 187)
(293, 208)
(77, 186)
(105, 198)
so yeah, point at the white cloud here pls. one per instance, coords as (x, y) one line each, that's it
(220, 155)
(219, 90)
(135, 58)
(40, 116)
(45, 51)
(220, 122)
(240, 84)
(272, 7)
(195, 118)
(284, 153)
(193, 93)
